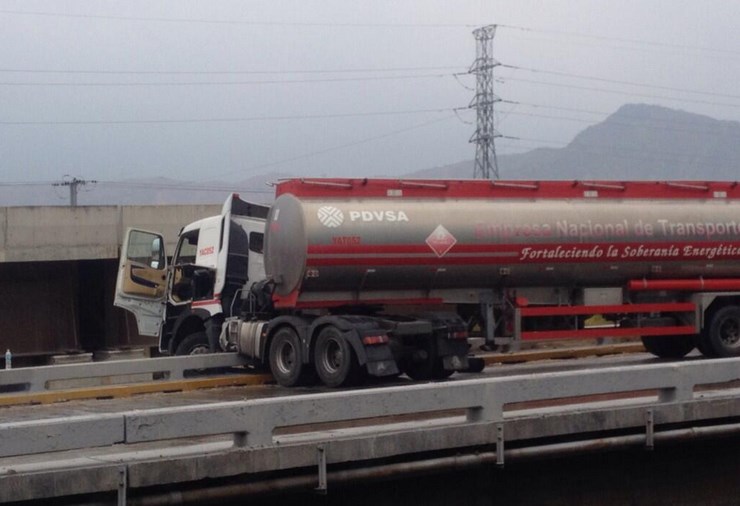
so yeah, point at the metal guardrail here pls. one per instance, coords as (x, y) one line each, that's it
(253, 422)
(38, 379)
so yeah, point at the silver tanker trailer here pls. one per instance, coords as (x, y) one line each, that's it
(342, 278)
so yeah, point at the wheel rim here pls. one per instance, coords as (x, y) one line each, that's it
(286, 358)
(200, 349)
(729, 332)
(333, 357)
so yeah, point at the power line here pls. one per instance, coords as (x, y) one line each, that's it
(194, 186)
(235, 21)
(74, 185)
(228, 72)
(619, 92)
(337, 147)
(228, 120)
(223, 83)
(616, 81)
(642, 42)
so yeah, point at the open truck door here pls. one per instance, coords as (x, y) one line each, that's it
(142, 279)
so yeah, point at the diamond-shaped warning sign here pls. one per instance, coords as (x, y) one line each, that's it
(441, 241)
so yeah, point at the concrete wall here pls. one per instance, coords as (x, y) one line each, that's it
(43, 234)
(58, 269)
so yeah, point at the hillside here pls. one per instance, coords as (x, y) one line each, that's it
(636, 142)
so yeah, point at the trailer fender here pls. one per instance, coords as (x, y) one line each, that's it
(349, 330)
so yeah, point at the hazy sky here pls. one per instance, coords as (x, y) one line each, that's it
(223, 90)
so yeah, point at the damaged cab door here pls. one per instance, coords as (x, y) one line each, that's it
(142, 278)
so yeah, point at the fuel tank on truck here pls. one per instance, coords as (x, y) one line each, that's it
(346, 241)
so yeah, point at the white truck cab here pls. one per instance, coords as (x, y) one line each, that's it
(215, 263)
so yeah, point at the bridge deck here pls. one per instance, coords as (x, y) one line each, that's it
(303, 438)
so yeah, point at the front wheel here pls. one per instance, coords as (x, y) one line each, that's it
(723, 335)
(286, 358)
(194, 344)
(335, 360)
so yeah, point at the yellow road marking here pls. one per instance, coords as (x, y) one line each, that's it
(129, 390)
(564, 353)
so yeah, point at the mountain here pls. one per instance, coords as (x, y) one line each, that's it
(637, 142)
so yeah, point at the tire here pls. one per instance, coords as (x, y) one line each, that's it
(286, 358)
(669, 346)
(194, 344)
(430, 367)
(702, 344)
(723, 337)
(335, 360)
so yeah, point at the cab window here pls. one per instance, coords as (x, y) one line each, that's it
(145, 248)
(187, 248)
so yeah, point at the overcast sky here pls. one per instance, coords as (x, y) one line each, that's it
(224, 90)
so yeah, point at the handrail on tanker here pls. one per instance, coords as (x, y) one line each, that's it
(516, 186)
(331, 184)
(423, 184)
(687, 186)
(602, 186)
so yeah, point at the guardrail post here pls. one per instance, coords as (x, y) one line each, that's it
(683, 390)
(491, 408)
(122, 485)
(500, 444)
(321, 458)
(649, 429)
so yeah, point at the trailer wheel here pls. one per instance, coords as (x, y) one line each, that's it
(723, 338)
(669, 346)
(335, 360)
(286, 358)
(702, 344)
(194, 344)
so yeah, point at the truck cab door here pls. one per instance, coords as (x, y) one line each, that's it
(142, 278)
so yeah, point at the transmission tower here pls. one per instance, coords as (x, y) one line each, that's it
(486, 165)
(74, 185)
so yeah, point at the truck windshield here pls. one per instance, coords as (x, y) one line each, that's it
(186, 248)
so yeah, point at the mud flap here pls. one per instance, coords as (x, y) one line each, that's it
(380, 361)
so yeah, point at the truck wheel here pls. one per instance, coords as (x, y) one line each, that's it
(426, 366)
(194, 344)
(702, 344)
(286, 358)
(724, 332)
(335, 360)
(669, 346)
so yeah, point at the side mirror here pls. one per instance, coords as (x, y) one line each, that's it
(157, 259)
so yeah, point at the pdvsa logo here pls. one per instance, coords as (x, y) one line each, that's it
(330, 216)
(367, 216)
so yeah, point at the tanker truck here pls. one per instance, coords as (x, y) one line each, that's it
(344, 278)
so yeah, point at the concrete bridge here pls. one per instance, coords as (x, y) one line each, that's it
(225, 445)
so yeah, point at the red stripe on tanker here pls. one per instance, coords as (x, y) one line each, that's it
(367, 245)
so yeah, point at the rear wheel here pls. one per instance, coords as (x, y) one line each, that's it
(425, 363)
(723, 336)
(669, 346)
(335, 360)
(286, 358)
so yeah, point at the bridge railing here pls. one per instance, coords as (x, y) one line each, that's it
(39, 379)
(253, 423)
